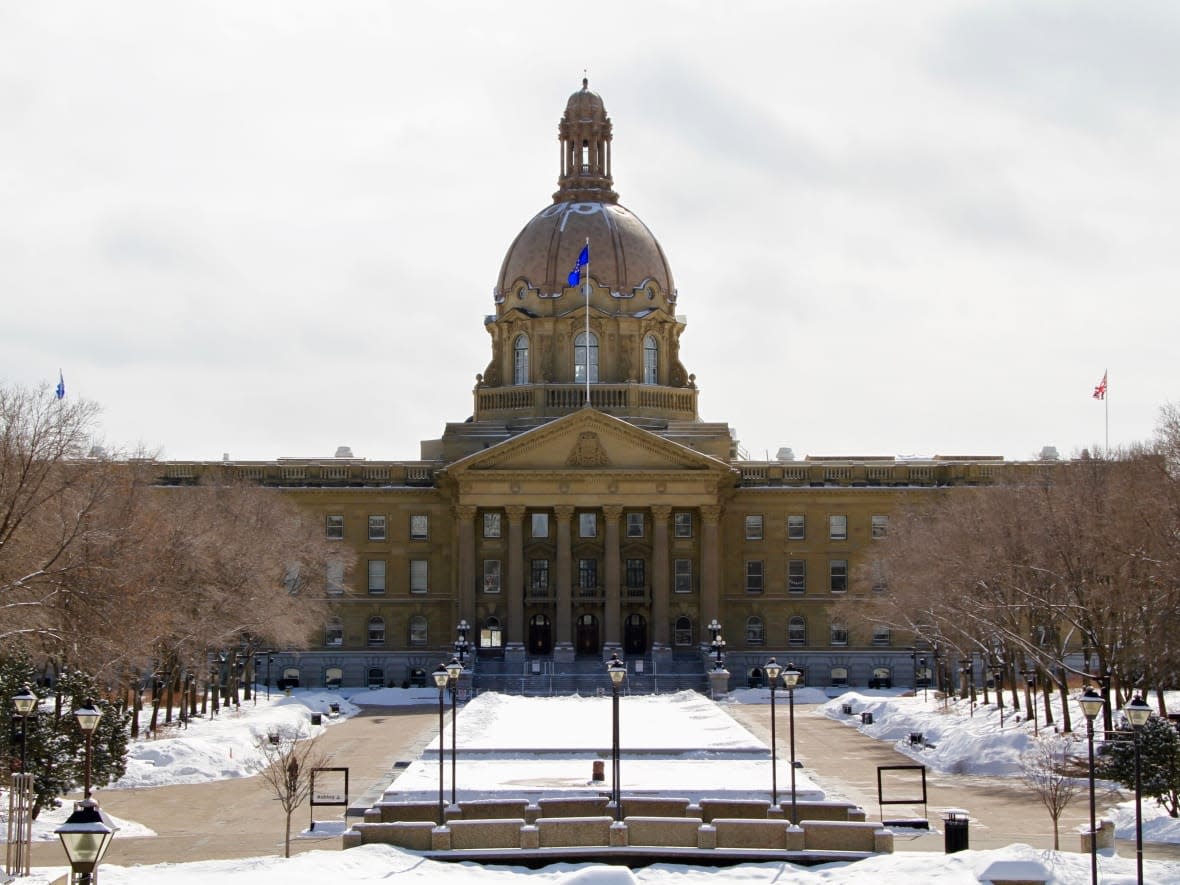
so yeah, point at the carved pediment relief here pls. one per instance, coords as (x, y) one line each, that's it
(587, 452)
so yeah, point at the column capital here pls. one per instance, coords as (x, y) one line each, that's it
(464, 511)
(661, 511)
(563, 511)
(612, 511)
(515, 512)
(711, 514)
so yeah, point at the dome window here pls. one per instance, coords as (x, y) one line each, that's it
(586, 358)
(585, 157)
(651, 360)
(520, 360)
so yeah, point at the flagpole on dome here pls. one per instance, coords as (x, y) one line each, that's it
(586, 283)
(1100, 393)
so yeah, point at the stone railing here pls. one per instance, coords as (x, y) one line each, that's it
(548, 400)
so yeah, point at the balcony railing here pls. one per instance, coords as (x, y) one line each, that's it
(543, 400)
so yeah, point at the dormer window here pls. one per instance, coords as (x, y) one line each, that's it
(651, 360)
(585, 157)
(520, 360)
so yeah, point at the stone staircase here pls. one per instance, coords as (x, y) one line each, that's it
(543, 677)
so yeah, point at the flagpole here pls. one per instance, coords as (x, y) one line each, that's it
(586, 284)
(1106, 409)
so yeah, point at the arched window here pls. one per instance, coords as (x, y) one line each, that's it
(797, 630)
(376, 631)
(683, 632)
(418, 630)
(651, 360)
(334, 633)
(754, 631)
(520, 360)
(586, 358)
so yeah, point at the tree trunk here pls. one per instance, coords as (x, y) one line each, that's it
(287, 837)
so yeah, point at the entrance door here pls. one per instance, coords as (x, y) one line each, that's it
(587, 643)
(540, 635)
(635, 635)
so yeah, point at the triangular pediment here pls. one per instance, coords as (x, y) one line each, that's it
(588, 440)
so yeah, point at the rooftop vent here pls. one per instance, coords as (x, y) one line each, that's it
(786, 453)
(1049, 453)
(344, 452)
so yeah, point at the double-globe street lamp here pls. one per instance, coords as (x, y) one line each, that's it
(617, 671)
(441, 678)
(791, 679)
(717, 644)
(773, 671)
(1137, 713)
(86, 834)
(1091, 703)
(454, 672)
(21, 823)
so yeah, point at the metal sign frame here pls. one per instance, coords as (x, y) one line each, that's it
(882, 801)
(311, 795)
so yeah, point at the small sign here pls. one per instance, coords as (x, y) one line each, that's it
(329, 786)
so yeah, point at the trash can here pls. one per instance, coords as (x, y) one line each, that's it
(598, 771)
(915, 738)
(866, 718)
(955, 835)
(317, 718)
(847, 709)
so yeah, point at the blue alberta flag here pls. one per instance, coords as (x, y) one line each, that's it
(583, 260)
(61, 385)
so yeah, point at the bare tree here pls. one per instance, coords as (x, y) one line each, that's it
(290, 759)
(1048, 773)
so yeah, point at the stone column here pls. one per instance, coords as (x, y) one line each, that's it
(711, 570)
(514, 585)
(661, 577)
(465, 523)
(612, 568)
(563, 645)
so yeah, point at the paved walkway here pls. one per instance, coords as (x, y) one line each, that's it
(1002, 811)
(240, 817)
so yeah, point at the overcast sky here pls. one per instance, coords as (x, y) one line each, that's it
(270, 229)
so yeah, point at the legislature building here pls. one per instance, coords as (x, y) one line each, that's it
(585, 508)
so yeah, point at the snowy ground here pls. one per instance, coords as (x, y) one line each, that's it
(227, 747)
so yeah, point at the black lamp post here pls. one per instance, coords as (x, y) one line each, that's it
(24, 703)
(791, 678)
(998, 681)
(717, 644)
(617, 671)
(454, 671)
(1030, 680)
(269, 660)
(441, 677)
(773, 671)
(461, 644)
(966, 671)
(87, 716)
(1137, 713)
(925, 677)
(86, 835)
(1091, 703)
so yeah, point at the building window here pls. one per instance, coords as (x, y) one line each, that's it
(334, 633)
(882, 635)
(682, 524)
(491, 525)
(796, 528)
(753, 575)
(587, 525)
(880, 526)
(418, 635)
(334, 528)
(651, 360)
(838, 528)
(839, 633)
(334, 577)
(797, 631)
(376, 528)
(520, 360)
(682, 569)
(682, 634)
(754, 528)
(491, 576)
(490, 635)
(754, 634)
(838, 575)
(419, 527)
(539, 575)
(839, 676)
(797, 575)
(880, 584)
(634, 525)
(540, 525)
(588, 574)
(376, 575)
(419, 575)
(636, 574)
(585, 358)
(376, 632)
